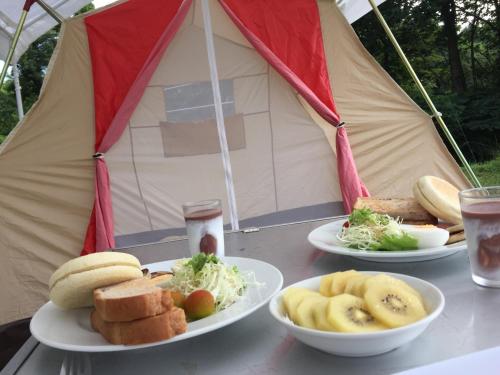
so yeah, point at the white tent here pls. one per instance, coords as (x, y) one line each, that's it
(283, 153)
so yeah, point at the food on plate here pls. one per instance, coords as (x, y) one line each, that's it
(367, 230)
(199, 304)
(226, 283)
(427, 236)
(393, 306)
(407, 209)
(355, 284)
(348, 313)
(304, 314)
(137, 312)
(178, 298)
(72, 284)
(439, 197)
(456, 237)
(293, 297)
(383, 279)
(364, 303)
(132, 300)
(335, 283)
(141, 331)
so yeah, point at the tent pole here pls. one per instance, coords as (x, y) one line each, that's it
(50, 11)
(19, 28)
(17, 88)
(13, 45)
(219, 116)
(437, 115)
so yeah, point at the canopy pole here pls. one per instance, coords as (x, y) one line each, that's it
(437, 115)
(13, 45)
(50, 11)
(219, 116)
(17, 88)
(19, 28)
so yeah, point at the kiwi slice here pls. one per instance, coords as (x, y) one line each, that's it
(393, 306)
(319, 311)
(304, 316)
(354, 284)
(348, 313)
(339, 280)
(292, 297)
(383, 279)
(325, 285)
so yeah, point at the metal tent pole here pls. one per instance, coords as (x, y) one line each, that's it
(219, 116)
(17, 33)
(50, 11)
(421, 88)
(13, 45)
(17, 88)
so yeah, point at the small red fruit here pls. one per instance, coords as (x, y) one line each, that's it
(178, 298)
(199, 304)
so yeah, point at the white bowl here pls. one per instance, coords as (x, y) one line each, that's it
(361, 344)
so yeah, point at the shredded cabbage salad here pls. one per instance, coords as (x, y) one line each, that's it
(367, 230)
(226, 283)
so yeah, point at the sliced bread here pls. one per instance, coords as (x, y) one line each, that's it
(142, 331)
(407, 209)
(130, 300)
(75, 290)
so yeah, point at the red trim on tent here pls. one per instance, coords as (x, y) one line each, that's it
(288, 35)
(126, 44)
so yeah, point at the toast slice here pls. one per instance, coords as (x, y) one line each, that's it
(131, 300)
(141, 331)
(407, 209)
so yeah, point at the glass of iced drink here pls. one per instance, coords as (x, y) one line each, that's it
(481, 216)
(204, 226)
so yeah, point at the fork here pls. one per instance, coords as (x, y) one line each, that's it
(76, 363)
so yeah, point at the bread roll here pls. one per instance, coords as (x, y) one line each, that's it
(73, 284)
(439, 197)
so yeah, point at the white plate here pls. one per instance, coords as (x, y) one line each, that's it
(361, 344)
(325, 238)
(71, 330)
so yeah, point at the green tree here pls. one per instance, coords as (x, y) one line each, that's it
(32, 67)
(454, 46)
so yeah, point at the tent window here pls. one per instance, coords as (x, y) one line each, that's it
(194, 102)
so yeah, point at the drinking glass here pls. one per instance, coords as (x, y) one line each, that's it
(481, 215)
(204, 226)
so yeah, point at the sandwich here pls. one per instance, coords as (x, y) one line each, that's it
(137, 312)
(407, 209)
(72, 285)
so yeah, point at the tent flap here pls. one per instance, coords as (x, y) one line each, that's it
(288, 35)
(123, 61)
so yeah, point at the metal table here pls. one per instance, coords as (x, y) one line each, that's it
(259, 345)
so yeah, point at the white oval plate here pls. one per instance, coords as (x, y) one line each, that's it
(361, 344)
(71, 330)
(325, 238)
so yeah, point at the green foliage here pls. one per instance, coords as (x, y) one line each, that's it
(472, 117)
(32, 67)
(488, 173)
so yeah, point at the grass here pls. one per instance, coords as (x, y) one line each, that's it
(2, 137)
(488, 172)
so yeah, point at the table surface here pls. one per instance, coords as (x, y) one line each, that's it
(258, 344)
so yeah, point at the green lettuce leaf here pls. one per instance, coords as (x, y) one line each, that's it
(397, 243)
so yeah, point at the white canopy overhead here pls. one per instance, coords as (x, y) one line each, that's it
(37, 23)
